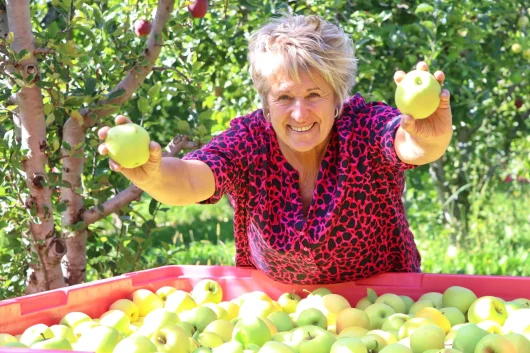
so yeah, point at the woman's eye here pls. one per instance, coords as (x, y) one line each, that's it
(283, 97)
(314, 95)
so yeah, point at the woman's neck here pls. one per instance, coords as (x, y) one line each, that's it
(305, 162)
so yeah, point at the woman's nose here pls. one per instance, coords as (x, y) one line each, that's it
(299, 110)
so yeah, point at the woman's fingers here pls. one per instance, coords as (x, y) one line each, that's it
(422, 65)
(398, 76)
(121, 119)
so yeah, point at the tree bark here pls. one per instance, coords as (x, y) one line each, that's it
(45, 270)
(74, 263)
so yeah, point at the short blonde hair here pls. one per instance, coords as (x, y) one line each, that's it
(295, 42)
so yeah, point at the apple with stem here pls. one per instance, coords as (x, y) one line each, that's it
(198, 9)
(418, 94)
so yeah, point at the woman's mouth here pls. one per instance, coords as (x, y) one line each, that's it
(302, 128)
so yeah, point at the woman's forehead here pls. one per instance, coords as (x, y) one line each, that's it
(283, 81)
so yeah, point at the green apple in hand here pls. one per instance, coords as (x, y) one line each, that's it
(99, 339)
(171, 339)
(312, 339)
(55, 343)
(128, 145)
(207, 291)
(418, 94)
(312, 316)
(36, 333)
(458, 297)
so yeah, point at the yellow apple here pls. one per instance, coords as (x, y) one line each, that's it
(418, 94)
(207, 291)
(157, 319)
(232, 309)
(209, 339)
(331, 305)
(164, 292)
(36, 333)
(288, 301)
(74, 318)
(128, 307)
(83, 327)
(199, 317)
(223, 328)
(170, 338)
(63, 331)
(487, 308)
(353, 331)
(99, 339)
(351, 317)
(412, 325)
(219, 311)
(54, 343)
(179, 301)
(6, 338)
(436, 316)
(117, 319)
(146, 301)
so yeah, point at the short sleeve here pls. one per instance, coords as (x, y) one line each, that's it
(384, 121)
(225, 155)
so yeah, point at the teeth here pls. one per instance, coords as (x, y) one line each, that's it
(302, 129)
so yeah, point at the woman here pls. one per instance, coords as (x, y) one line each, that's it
(315, 179)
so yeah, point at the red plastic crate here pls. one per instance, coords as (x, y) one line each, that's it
(94, 298)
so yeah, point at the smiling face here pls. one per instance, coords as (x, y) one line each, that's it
(302, 113)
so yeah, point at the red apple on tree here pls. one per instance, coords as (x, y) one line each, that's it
(199, 8)
(142, 27)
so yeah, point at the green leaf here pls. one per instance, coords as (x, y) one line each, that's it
(154, 91)
(153, 204)
(143, 105)
(23, 55)
(90, 85)
(117, 93)
(371, 295)
(424, 8)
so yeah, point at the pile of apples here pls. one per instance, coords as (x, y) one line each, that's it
(202, 321)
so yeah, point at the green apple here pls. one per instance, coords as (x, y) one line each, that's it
(454, 315)
(74, 318)
(128, 307)
(128, 145)
(396, 348)
(353, 331)
(348, 345)
(251, 330)
(146, 301)
(6, 338)
(283, 337)
(252, 348)
(512, 306)
(312, 339)
(427, 337)
(490, 326)
(14, 345)
(229, 347)
(187, 327)
(209, 339)
(171, 339)
(517, 48)
(520, 342)
(377, 313)
(420, 304)
(164, 292)
(392, 300)
(518, 322)
(223, 328)
(458, 297)
(363, 303)
(288, 301)
(99, 339)
(487, 308)
(232, 309)
(199, 317)
(276, 347)
(408, 302)
(117, 319)
(156, 319)
(319, 292)
(374, 343)
(351, 317)
(219, 311)
(202, 350)
(494, 343)
(467, 337)
(436, 299)
(394, 322)
(36, 333)
(256, 307)
(83, 327)
(282, 321)
(436, 316)
(312, 316)
(135, 343)
(412, 325)
(207, 291)
(179, 301)
(418, 94)
(524, 301)
(63, 331)
(331, 305)
(54, 343)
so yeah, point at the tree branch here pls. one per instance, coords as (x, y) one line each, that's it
(132, 193)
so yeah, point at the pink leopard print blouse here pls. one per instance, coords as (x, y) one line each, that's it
(356, 226)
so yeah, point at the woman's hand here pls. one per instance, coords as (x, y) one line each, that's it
(139, 175)
(439, 125)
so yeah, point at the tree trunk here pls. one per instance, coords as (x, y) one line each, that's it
(46, 249)
(74, 263)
